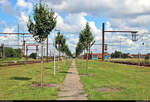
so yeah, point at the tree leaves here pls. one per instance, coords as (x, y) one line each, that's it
(44, 22)
(60, 44)
(86, 40)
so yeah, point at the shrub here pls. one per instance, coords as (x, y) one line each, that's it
(147, 57)
(33, 55)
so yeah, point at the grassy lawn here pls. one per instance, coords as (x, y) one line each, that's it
(133, 81)
(15, 81)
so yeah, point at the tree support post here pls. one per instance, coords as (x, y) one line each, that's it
(89, 53)
(42, 64)
(37, 52)
(47, 50)
(103, 28)
(87, 61)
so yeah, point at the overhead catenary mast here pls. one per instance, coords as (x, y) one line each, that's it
(18, 35)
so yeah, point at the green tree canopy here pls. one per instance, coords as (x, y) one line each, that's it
(86, 37)
(44, 22)
(118, 54)
(33, 55)
(10, 52)
(79, 49)
(86, 40)
(61, 46)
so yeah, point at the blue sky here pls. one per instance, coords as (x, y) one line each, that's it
(72, 16)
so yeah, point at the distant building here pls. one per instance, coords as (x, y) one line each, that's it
(95, 56)
(99, 56)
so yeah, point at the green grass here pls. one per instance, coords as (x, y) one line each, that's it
(15, 82)
(133, 80)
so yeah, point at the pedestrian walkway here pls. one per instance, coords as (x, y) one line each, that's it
(72, 89)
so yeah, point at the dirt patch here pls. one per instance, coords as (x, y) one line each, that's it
(143, 71)
(86, 74)
(36, 85)
(107, 89)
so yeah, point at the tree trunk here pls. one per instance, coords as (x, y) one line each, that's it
(58, 61)
(42, 64)
(87, 63)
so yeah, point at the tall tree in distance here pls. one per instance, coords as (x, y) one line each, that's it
(44, 22)
(79, 48)
(59, 42)
(87, 40)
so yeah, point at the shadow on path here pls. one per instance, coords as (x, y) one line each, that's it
(47, 67)
(65, 72)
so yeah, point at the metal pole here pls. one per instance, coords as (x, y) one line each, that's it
(24, 48)
(89, 53)
(26, 51)
(3, 51)
(54, 62)
(120, 47)
(36, 52)
(54, 55)
(47, 50)
(50, 54)
(18, 35)
(44, 51)
(103, 41)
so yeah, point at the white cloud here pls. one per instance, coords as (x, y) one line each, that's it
(7, 8)
(22, 3)
(95, 30)
(102, 7)
(9, 30)
(120, 15)
(71, 23)
(23, 19)
(25, 9)
(25, 4)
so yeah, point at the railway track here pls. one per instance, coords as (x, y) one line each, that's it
(21, 63)
(132, 63)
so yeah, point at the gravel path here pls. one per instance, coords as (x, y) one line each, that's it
(72, 89)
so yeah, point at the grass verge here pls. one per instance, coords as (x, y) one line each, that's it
(132, 82)
(15, 81)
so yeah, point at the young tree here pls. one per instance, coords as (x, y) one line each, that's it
(44, 22)
(63, 45)
(87, 40)
(58, 42)
(79, 49)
